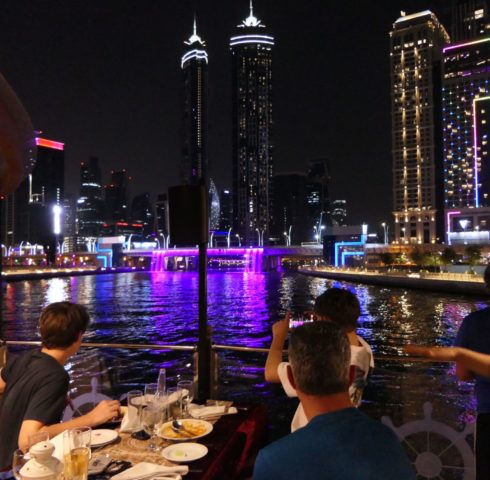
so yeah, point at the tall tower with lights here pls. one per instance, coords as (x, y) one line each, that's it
(251, 50)
(194, 64)
(466, 127)
(416, 48)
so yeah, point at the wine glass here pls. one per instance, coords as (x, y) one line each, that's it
(174, 403)
(151, 390)
(18, 461)
(151, 416)
(187, 387)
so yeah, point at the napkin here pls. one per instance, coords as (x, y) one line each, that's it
(130, 421)
(58, 447)
(146, 470)
(200, 411)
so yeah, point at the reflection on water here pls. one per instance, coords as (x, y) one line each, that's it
(162, 308)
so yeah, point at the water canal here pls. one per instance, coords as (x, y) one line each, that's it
(161, 307)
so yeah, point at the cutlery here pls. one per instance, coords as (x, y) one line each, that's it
(178, 427)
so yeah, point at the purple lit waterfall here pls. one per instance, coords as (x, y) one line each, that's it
(251, 257)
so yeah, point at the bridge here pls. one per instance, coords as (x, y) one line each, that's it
(254, 259)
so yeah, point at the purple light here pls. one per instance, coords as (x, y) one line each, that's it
(252, 257)
(449, 214)
(452, 47)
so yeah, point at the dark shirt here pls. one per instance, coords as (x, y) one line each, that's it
(342, 445)
(474, 334)
(36, 390)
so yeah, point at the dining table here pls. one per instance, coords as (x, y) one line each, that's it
(232, 446)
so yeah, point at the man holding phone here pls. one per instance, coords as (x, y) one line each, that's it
(341, 307)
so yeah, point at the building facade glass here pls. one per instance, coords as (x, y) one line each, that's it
(194, 64)
(415, 49)
(251, 50)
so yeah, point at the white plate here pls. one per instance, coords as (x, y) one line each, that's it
(102, 437)
(184, 452)
(165, 431)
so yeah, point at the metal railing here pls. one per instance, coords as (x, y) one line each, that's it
(215, 347)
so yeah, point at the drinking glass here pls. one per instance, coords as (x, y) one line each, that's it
(151, 416)
(151, 390)
(135, 401)
(174, 403)
(36, 438)
(18, 461)
(187, 387)
(76, 451)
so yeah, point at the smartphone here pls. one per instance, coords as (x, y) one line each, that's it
(299, 319)
(97, 465)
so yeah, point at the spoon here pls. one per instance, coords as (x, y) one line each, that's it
(178, 427)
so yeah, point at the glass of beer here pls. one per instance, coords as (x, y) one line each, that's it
(76, 446)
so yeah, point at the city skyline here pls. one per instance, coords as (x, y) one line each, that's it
(107, 85)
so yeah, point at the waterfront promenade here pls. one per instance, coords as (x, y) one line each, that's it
(461, 283)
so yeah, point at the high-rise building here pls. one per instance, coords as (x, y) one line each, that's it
(469, 19)
(416, 49)
(291, 212)
(251, 50)
(339, 213)
(69, 223)
(194, 64)
(90, 204)
(142, 212)
(226, 210)
(30, 207)
(214, 206)
(318, 197)
(116, 197)
(466, 124)
(466, 129)
(162, 217)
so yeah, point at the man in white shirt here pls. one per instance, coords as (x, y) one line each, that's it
(339, 306)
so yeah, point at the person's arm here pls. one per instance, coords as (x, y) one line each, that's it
(274, 357)
(103, 412)
(2, 383)
(467, 361)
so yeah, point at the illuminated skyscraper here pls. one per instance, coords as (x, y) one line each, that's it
(466, 131)
(117, 197)
(194, 66)
(214, 207)
(90, 204)
(34, 199)
(318, 198)
(416, 49)
(469, 19)
(251, 50)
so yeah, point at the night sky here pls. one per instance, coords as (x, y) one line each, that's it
(104, 77)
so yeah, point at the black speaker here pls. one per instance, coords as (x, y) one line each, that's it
(188, 214)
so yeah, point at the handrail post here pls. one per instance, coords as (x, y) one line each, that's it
(204, 343)
(214, 374)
